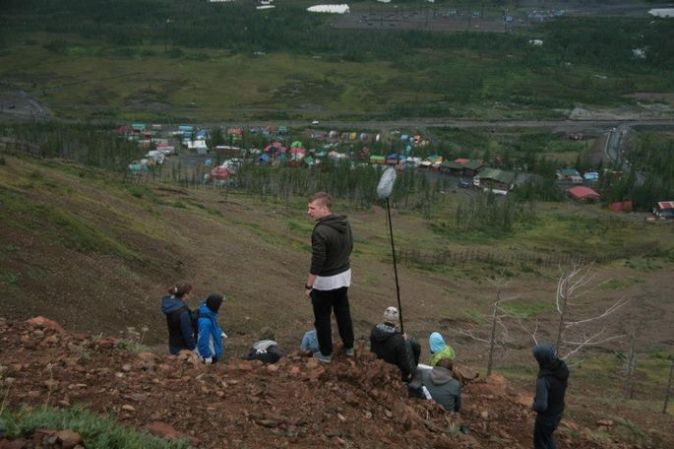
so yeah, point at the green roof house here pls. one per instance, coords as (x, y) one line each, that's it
(496, 180)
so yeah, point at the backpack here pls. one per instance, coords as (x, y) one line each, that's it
(194, 317)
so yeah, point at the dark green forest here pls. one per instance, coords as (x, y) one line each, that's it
(584, 60)
(603, 43)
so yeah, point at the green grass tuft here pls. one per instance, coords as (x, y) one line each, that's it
(10, 278)
(475, 316)
(520, 310)
(300, 228)
(214, 212)
(619, 284)
(141, 191)
(97, 432)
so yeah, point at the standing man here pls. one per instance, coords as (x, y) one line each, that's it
(549, 400)
(330, 275)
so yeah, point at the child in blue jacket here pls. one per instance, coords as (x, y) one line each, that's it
(209, 342)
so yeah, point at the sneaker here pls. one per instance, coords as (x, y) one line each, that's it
(322, 358)
(350, 352)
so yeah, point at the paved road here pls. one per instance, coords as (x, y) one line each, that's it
(614, 153)
(591, 126)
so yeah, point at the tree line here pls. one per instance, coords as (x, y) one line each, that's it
(84, 144)
(238, 26)
(650, 178)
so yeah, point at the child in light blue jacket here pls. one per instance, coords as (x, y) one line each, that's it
(439, 349)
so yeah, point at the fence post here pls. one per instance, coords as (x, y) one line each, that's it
(631, 367)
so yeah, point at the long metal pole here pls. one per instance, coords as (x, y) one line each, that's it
(395, 265)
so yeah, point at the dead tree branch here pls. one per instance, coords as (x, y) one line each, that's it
(571, 286)
(615, 306)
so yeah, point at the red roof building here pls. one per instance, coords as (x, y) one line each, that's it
(582, 193)
(220, 173)
(621, 206)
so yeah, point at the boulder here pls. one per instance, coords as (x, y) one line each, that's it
(106, 343)
(68, 438)
(40, 321)
(163, 430)
(19, 443)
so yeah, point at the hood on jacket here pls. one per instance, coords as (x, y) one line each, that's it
(544, 354)
(336, 222)
(171, 304)
(205, 311)
(440, 375)
(436, 342)
(383, 331)
(214, 302)
(548, 362)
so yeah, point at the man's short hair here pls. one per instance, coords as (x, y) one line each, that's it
(323, 198)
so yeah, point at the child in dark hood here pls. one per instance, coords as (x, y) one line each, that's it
(442, 386)
(179, 318)
(550, 391)
(209, 343)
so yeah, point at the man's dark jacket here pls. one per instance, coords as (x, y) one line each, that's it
(331, 245)
(389, 344)
(551, 383)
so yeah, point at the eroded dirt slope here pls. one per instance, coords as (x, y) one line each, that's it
(297, 403)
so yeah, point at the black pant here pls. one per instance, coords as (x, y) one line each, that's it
(324, 302)
(416, 350)
(543, 429)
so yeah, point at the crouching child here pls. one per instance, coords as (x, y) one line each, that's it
(266, 349)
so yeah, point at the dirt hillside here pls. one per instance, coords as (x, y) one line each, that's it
(80, 246)
(353, 403)
(96, 254)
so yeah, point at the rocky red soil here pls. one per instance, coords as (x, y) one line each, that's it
(297, 403)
